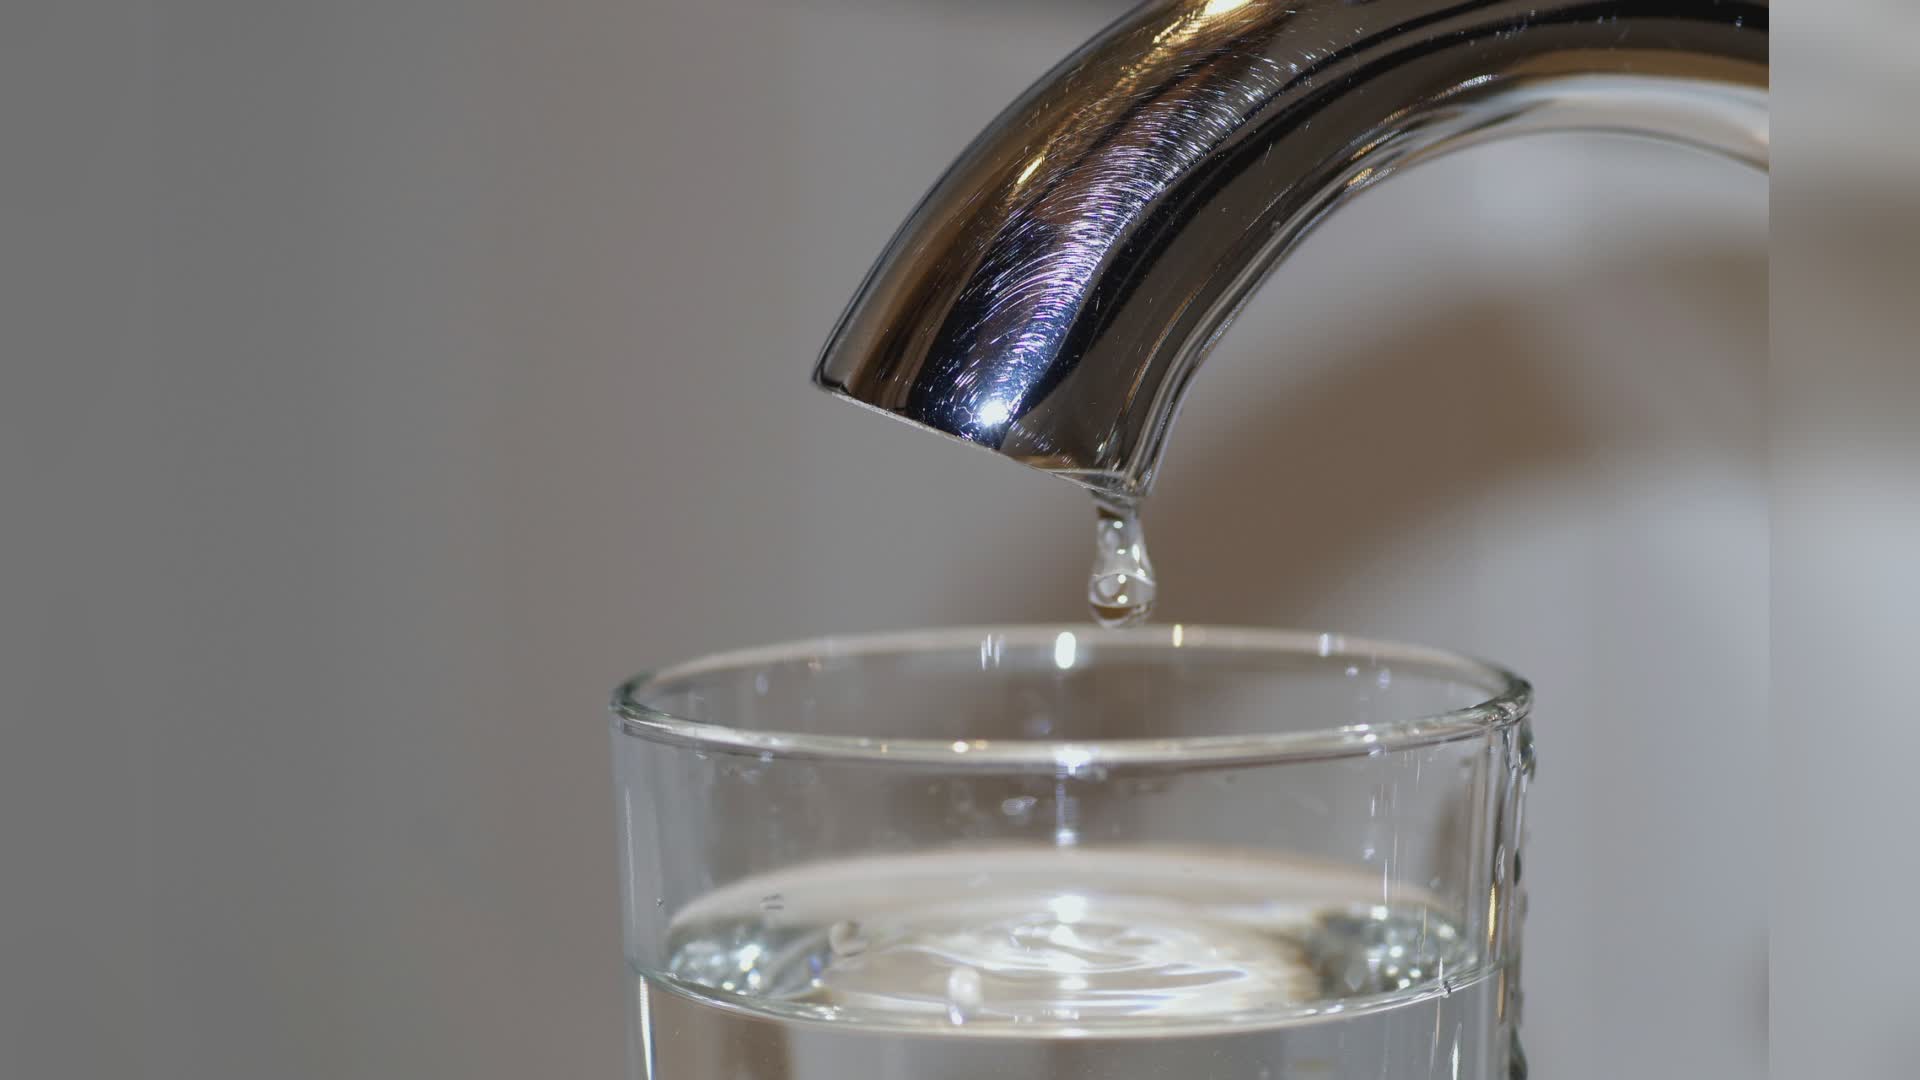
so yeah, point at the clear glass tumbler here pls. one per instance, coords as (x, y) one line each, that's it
(1169, 852)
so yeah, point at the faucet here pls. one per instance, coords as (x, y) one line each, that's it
(1052, 296)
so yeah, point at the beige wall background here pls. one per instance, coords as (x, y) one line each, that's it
(461, 371)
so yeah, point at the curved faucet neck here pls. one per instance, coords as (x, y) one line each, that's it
(1055, 291)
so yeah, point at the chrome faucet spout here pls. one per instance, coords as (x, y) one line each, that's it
(1056, 290)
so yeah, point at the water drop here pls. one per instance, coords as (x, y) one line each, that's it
(963, 993)
(844, 938)
(1356, 974)
(773, 903)
(1018, 809)
(1120, 589)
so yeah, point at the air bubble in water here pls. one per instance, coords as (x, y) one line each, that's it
(1120, 589)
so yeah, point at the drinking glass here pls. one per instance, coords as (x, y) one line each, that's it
(1064, 852)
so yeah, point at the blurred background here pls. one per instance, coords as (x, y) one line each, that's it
(418, 370)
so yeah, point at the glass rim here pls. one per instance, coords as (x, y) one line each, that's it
(1509, 703)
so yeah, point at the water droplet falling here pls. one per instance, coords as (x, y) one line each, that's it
(845, 939)
(963, 993)
(1120, 589)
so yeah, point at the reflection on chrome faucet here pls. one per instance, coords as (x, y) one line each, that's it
(1054, 293)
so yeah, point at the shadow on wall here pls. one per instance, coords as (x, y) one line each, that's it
(1390, 437)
